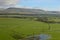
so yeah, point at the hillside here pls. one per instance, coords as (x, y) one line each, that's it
(27, 11)
(23, 10)
(54, 12)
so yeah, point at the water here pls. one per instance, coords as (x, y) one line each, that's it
(44, 36)
(39, 37)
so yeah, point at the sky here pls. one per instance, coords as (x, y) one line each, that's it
(51, 5)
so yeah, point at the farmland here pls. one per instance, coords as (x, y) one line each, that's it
(27, 27)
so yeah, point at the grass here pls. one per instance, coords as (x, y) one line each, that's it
(26, 27)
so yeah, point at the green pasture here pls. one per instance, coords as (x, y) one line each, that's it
(27, 27)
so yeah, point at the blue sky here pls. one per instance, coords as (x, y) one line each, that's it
(42, 4)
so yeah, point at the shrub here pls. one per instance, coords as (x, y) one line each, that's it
(17, 35)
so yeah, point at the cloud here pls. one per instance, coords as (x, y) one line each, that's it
(20, 6)
(51, 9)
(43, 8)
(8, 3)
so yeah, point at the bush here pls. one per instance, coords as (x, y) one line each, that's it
(42, 19)
(17, 35)
(45, 19)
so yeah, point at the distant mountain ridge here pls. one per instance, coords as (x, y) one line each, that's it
(55, 12)
(27, 11)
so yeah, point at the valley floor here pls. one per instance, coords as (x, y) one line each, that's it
(27, 27)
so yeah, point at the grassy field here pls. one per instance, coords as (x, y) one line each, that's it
(26, 27)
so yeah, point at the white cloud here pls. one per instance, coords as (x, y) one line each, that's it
(46, 8)
(51, 9)
(19, 6)
(8, 3)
